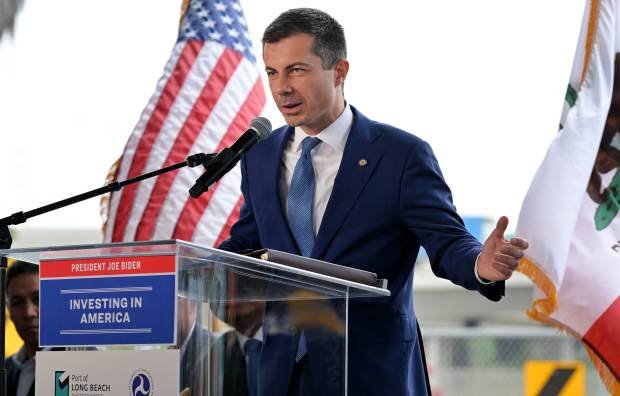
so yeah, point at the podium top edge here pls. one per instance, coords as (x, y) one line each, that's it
(169, 244)
(5, 252)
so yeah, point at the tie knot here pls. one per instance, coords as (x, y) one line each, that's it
(308, 144)
(252, 347)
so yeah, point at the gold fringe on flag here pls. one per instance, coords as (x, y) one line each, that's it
(595, 6)
(184, 8)
(611, 382)
(104, 202)
(544, 307)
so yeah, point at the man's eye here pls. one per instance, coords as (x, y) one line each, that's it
(16, 303)
(297, 70)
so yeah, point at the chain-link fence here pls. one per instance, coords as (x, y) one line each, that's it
(490, 361)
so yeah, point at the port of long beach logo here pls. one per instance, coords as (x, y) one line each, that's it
(67, 384)
(141, 383)
(61, 383)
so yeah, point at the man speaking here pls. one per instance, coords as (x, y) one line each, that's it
(337, 186)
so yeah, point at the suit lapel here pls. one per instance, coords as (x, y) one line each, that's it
(359, 160)
(277, 223)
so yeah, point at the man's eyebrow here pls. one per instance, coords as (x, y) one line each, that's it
(296, 64)
(268, 68)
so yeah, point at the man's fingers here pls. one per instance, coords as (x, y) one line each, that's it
(502, 270)
(508, 261)
(510, 250)
(506, 254)
(520, 243)
(500, 228)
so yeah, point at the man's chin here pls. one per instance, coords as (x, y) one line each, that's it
(293, 120)
(33, 335)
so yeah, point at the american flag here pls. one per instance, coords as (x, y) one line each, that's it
(209, 93)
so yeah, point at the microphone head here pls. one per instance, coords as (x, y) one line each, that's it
(262, 126)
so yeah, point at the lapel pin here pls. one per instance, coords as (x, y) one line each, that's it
(362, 162)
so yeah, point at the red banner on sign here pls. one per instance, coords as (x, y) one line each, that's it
(97, 266)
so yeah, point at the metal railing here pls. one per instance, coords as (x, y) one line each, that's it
(490, 361)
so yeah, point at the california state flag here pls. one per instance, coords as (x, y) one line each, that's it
(571, 212)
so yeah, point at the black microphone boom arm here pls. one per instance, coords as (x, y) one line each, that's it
(21, 217)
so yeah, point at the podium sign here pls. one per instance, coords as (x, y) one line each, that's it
(98, 301)
(107, 373)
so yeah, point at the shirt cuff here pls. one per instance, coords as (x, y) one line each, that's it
(479, 279)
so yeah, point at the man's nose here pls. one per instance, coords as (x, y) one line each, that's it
(281, 86)
(32, 309)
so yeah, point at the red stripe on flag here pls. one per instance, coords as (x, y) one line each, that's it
(152, 129)
(194, 208)
(210, 94)
(232, 219)
(602, 337)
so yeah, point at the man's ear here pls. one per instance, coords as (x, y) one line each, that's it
(342, 69)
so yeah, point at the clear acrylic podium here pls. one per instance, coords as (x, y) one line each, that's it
(242, 322)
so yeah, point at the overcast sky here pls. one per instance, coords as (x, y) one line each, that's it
(482, 81)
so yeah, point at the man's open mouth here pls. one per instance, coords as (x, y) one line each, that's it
(291, 107)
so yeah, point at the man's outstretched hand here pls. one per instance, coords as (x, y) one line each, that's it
(500, 257)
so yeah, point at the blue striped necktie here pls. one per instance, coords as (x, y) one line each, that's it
(252, 350)
(300, 202)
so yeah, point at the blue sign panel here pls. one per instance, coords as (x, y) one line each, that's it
(119, 310)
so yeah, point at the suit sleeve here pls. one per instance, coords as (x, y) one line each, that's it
(428, 212)
(244, 233)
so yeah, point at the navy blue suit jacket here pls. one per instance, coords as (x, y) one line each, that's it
(376, 219)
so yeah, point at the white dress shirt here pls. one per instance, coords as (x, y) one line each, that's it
(326, 157)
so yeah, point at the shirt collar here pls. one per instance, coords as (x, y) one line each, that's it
(243, 338)
(20, 356)
(334, 135)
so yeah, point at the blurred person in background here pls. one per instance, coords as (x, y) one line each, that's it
(22, 291)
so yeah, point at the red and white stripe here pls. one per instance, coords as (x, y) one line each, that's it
(205, 100)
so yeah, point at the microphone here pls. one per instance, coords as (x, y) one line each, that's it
(225, 160)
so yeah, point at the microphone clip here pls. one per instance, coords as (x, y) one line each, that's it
(216, 166)
(199, 159)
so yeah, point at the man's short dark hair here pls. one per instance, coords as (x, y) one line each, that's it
(329, 42)
(18, 268)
